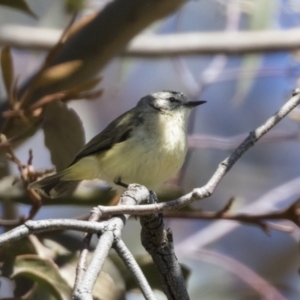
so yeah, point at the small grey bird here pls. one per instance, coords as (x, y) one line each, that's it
(145, 145)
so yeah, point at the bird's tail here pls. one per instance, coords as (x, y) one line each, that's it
(53, 186)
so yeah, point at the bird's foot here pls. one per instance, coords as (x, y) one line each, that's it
(118, 181)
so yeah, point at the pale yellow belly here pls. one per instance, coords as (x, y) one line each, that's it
(145, 165)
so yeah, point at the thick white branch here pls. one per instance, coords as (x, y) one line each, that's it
(192, 43)
(134, 195)
(134, 268)
(35, 227)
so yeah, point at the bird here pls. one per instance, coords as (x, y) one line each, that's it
(146, 145)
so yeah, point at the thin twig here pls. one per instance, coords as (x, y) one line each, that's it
(291, 213)
(135, 269)
(198, 141)
(224, 167)
(264, 288)
(135, 194)
(82, 261)
(27, 175)
(276, 197)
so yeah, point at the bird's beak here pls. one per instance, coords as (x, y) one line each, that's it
(192, 104)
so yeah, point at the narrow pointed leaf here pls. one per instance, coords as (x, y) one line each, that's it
(7, 68)
(64, 134)
(59, 72)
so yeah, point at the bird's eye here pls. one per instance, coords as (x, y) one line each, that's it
(172, 99)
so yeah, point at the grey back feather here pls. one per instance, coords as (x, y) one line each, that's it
(116, 132)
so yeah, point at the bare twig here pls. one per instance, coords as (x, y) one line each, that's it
(291, 213)
(241, 42)
(135, 194)
(217, 142)
(82, 261)
(224, 167)
(276, 197)
(264, 289)
(135, 269)
(27, 175)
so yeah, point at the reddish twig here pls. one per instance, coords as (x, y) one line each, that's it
(291, 213)
(27, 175)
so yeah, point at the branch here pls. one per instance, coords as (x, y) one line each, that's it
(112, 228)
(230, 43)
(27, 175)
(110, 234)
(197, 141)
(242, 42)
(83, 256)
(159, 243)
(135, 194)
(34, 227)
(135, 269)
(264, 288)
(291, 213)
(224, 167)
(84, 290)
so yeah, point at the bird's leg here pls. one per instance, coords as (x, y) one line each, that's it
(118, 181)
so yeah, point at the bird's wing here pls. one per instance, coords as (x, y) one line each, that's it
(116, 132)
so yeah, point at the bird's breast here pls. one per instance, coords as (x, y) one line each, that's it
(150, 156)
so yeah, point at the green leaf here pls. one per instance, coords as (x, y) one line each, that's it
(45, 273)
(64, 134)
(20, 5)
(10, 251)
(7, 68)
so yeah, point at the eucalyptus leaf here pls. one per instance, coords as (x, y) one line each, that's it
(64, 134)
(45, 273)
(59, 72)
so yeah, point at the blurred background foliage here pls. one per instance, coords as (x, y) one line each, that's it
(225, 260)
